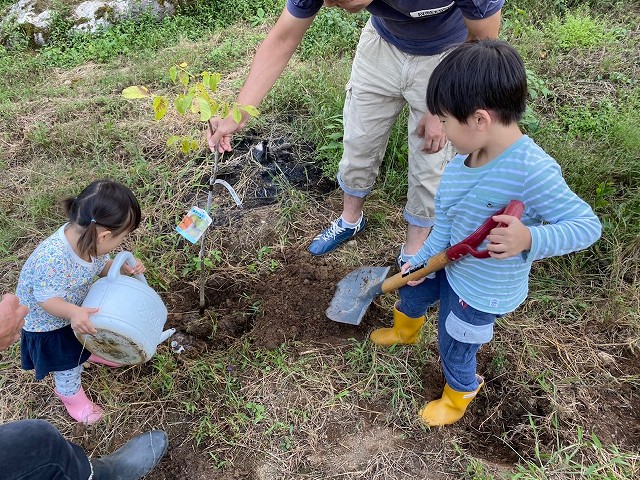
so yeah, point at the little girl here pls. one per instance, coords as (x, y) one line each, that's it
(55, 280)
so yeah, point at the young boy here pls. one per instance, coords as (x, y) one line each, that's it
(479, 92)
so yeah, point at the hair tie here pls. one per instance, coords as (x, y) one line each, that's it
(93, 220)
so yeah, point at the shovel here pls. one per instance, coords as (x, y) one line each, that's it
(356, 291)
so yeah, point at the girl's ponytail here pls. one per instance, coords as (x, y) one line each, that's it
(106, 204)
(88, 240)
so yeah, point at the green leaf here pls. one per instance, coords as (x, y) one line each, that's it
(224, 110)
(214, 79)
(251, 110)
(205, 109)
(206, 77)
(173, 73)
(194, 145)
(136, 91)
(182, 103)
(172, 140)
(185, 145)
(183, 77)
(160, 106)
(236, 114)
(214, 106)
(201, 92)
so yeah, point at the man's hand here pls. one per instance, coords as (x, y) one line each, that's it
(508, 241)
(351, 6)
(11, 320)
(220, 131)
(430, 128)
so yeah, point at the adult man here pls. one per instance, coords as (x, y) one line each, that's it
(35, 450)
(399, 48)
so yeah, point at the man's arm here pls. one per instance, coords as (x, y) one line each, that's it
(484, 28)
(269, 62)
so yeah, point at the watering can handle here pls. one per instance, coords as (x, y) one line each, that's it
(118, 262)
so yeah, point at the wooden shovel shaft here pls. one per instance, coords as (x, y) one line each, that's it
(435, 263)
(453, 253)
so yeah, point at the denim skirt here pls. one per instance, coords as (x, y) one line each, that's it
(53, 351)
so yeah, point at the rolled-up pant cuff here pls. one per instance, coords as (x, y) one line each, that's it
(354, 192)
(416, 221)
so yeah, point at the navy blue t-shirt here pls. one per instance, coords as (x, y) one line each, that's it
(418, 27)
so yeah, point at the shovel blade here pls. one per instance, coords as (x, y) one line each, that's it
(354, 294)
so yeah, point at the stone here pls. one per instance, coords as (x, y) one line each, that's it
(91, 16)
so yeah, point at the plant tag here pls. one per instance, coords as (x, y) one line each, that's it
(194, 224)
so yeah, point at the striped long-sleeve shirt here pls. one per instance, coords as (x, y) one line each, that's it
(560, 222)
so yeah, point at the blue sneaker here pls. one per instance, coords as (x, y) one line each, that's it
(333, 236)
(400, 259)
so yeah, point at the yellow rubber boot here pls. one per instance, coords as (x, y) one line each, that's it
(449, 408)
(405, 330)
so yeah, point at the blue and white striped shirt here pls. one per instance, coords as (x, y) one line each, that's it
(560, 222)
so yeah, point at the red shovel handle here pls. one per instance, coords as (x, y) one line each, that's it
(453, 253)
(467, 246)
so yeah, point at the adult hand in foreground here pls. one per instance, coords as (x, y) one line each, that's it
(11, 320)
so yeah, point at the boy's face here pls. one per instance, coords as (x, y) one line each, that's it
(463, 136)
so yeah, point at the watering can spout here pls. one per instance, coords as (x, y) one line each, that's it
(166, 334)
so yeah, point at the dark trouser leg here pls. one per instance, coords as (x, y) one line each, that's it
(35, 450)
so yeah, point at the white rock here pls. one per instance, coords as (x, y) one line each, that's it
(89, 16)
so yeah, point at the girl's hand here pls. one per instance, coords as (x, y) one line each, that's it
(137, 270)
(412, 283)
(508, 241)
(80, 322)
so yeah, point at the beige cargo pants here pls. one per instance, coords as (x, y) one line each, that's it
(384, 79)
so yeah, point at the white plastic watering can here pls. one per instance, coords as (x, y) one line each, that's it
(131, 317)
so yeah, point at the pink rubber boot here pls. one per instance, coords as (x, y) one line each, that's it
(80, 407)
(96, 359)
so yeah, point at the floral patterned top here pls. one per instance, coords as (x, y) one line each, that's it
(55, 270)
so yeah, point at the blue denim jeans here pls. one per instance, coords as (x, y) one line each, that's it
(462, 329)
(35, 450)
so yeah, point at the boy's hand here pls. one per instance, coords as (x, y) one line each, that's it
(412, 283)
(137, 270)
(80, 322)
(508, 241)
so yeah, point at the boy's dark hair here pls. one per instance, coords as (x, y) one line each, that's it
(483, 74)
(106, 204)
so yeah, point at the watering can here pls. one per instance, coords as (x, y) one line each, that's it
(131, 316)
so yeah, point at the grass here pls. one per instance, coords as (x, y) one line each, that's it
(561, 369)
